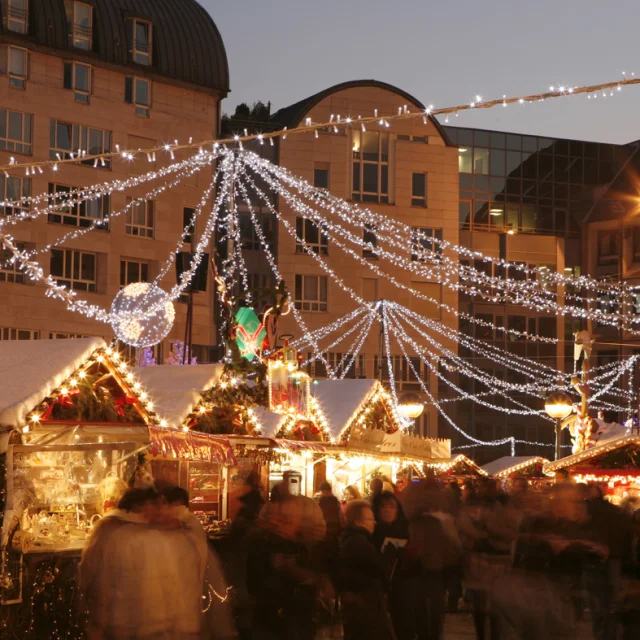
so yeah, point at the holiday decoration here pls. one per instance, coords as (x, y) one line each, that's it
(229, 408)
(142, 314)
(288, 388)
(145, 357)
(177, 355)
(249, 333)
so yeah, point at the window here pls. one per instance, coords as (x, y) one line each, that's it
(77, 76)
(464, 214)
(55, 335)
(140, 219)
(18, 334)
(78, 214)
(425, 240)
(18, 67)
(419, 190)
(517, 325)
(370, 155)
(248, 235)
(67, 139)
(321, 177)
(311, 293)
(140, 34)
(189, 223)
(370, 239)
(15, 131)
(314, 237)
(16, 15)
(133, 271)
(607, 247)
(137, 91)
(13, 189)
(79, 24)
(481, 161)
(465, 164)
(636, 244)
(74, 269)
(9, 269)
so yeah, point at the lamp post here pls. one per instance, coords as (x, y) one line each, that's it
(558, 406)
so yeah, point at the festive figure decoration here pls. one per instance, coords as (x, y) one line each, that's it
(142, 314)
(177, 355)
(145, 358)
(583, 343)
(249, 333)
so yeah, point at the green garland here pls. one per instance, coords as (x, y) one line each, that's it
(94, 403)
(228, 412)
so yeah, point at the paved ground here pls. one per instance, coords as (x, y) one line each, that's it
(460, 627)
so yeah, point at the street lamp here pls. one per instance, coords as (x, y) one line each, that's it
(410, 406)
(558, 406)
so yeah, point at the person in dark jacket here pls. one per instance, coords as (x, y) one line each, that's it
(362, 578)
(329, 548)
(392, 526)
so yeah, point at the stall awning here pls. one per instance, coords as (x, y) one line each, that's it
(190, 445)
(299, 445)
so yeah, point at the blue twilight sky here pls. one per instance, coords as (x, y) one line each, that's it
(444, 53)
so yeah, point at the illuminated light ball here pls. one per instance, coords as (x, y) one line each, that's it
(142, 314)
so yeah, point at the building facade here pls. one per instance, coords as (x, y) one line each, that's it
(524, 198)
(407, 172)
(91, 77)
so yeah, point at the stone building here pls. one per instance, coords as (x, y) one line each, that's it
(91, 77)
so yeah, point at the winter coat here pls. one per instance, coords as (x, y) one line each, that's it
(333, 518)
(431, 544)
(362, 582)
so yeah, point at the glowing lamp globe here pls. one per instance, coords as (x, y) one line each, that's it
(142, 314)
(410, 406)
(558, 405)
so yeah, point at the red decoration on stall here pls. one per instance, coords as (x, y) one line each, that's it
(63, 399)
(123, 402)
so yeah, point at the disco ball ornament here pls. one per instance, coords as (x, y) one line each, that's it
(142, 314)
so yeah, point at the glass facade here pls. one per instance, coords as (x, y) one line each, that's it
(530, 184)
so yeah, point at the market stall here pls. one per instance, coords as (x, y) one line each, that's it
(614, 465)
(79, 427)
(530, 468)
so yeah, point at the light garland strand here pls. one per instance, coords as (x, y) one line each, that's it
(335, 123)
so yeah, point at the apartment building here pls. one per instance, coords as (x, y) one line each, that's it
(408, 172)
(90, 77)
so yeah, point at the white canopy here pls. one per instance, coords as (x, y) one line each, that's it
(31, 369)
(175, 390)
(341, 399)
(506, 464)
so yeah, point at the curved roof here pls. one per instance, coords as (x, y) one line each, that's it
(186, 45)
(292, 115)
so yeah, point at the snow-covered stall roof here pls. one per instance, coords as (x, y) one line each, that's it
(269, 421)
(509, 464)
(31, 369)
(175, 390)
(592, 452)
(340, 400)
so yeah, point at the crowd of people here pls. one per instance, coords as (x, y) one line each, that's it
(527, 563)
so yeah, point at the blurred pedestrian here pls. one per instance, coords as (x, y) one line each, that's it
(391, 536)
(362, 578)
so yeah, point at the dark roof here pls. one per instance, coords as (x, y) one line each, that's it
(292, 115)
(186, 46)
